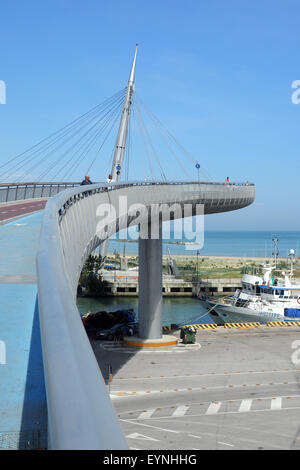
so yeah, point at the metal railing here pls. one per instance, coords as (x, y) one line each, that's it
(80, 414)
(21, 191)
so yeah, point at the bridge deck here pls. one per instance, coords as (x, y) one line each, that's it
(16, 209)
(22, 390)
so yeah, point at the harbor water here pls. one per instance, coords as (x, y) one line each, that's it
(175, 309)
(216, 243)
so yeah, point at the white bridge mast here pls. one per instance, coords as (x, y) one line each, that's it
(121, 141)
(123, 128)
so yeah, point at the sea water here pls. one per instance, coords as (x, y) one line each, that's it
(226, 243)
(175, 309)
(216, 243)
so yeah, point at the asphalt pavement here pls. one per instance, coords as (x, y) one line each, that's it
(234, 389)
(11, 211)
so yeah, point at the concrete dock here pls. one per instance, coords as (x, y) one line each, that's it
(233, 389)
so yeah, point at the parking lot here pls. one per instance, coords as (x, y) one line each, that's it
(233, 389)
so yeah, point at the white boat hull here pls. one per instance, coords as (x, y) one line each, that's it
(211, 312)
(232, 314)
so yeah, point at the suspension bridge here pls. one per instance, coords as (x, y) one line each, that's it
(79, 411)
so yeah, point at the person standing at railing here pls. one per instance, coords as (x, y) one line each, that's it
(86, 181)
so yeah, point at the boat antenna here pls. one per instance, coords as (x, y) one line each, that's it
(275, 253)
(291, 255)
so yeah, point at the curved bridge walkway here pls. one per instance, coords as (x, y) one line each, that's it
(80, 414)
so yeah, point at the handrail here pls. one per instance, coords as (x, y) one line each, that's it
(29, 190)
(55, 183)
(80, 414)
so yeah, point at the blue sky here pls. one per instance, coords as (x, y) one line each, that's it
(217, 73)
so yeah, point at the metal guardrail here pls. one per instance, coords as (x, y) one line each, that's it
(80, 414)
(20, 191)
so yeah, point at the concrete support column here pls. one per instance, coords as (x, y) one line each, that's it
(150, 286)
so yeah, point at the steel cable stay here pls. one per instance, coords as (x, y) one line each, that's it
(164, 129)
(112, 120)
(163, 176)
(90, 137)
(117, 116)
(83, 149)
(88, 147)
(74, 134)
(94, 109)
(110, 162)
(36, 150)
(138, 119)
(38, 153)
(171, 150)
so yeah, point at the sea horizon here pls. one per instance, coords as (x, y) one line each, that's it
(236, 243)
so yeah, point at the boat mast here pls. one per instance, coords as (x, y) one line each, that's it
(123, 127)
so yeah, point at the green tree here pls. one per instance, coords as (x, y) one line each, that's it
(89, 277)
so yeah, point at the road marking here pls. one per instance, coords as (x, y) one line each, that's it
(193, 435)
(148, 425)
(181, 410)
(201, 415)
(213, 408)
(127, 394)
(245, 406)
(146, 414)
(208, 374)
(136, 435)
(225, 444)
(276, 403)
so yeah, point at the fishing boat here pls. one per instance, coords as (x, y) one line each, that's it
(260, 299)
